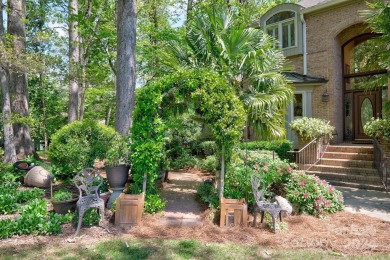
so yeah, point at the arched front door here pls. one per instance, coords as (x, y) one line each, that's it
(366, 106)
(362, 98)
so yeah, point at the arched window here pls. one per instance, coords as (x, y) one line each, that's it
(282, 27)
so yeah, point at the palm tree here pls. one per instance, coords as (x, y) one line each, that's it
(246, 57)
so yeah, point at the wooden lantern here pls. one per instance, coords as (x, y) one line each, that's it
(233, 212)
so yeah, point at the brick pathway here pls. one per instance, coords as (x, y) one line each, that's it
(182, 208)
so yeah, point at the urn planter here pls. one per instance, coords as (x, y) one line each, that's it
(117, 177)
(62, 207)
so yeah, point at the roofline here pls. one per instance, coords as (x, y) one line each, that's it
(320, 7)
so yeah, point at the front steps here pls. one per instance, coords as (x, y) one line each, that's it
(350, 166)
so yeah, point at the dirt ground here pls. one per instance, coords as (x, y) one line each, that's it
(344, 232)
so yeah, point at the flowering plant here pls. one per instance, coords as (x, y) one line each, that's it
(311, 195)
(310, 128)
(378, 128)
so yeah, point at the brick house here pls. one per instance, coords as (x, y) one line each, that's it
(325, 40)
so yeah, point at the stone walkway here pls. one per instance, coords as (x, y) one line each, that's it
(368, 202)
(182, 208)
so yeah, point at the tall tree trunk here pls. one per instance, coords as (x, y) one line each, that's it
(74, 59)
(9, 148)
(190, 4)
(18, 81)
(126, 79)
(44, 114)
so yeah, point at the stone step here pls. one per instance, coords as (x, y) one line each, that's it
(372, 180)
(351, 156)
(346, 170)
(350, 149)
(357, 185)
(347, 163)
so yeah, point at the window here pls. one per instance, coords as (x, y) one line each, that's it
(281, 26)
(298, 105)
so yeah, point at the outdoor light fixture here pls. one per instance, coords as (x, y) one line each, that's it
(325, 96)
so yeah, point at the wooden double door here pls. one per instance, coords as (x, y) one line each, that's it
(366, 106)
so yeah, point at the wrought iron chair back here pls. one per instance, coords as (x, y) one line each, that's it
(88, 181)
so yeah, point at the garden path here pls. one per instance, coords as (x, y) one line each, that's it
(182, 208)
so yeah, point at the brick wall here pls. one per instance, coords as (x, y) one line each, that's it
(326, 32)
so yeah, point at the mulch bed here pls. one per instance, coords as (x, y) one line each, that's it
(346, 233)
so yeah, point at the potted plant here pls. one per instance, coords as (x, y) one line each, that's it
(117, 166)
(379, 128)
(63, 201)
(309, 128)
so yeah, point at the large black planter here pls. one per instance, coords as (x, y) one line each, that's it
(117, 177)
(62, 207)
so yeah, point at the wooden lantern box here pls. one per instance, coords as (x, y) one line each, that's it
(233, 212)
(129, 209)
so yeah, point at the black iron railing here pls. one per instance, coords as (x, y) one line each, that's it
(382, 163)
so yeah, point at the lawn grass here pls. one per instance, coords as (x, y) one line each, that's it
(166, 249)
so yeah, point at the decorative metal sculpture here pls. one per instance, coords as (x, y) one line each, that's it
(258, 188)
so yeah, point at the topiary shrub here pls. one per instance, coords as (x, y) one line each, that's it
(77, 145)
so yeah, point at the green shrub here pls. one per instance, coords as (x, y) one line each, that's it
(8, 204)
(313, 196)
(206, 148)
(209, 164)
(76, 146)
(184, 162)
(154, 203)
(34, 219)
(27, 195)
(91, 217)
(208, 194)
(280, 147)
(8, 196)
(61, 195)
(275, 173)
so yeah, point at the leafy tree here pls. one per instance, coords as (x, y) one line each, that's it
(244, 56)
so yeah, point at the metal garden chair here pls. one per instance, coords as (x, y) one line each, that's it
(88, 182)
(258, 188)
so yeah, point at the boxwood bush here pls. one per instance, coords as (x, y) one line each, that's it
(281, 147)
(76, 146)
